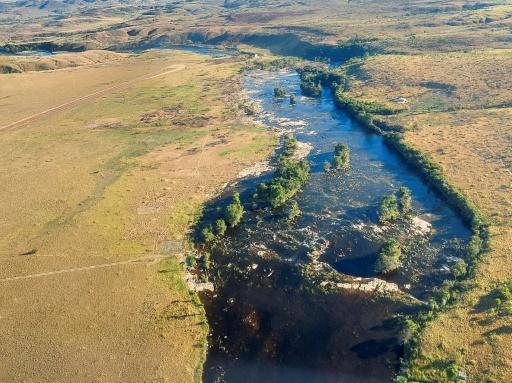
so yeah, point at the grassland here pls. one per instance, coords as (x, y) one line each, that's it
(101, 190)
(458, 112)
(449, 58)
(20, 64)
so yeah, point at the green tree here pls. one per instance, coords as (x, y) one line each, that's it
(408, 331)
(206, 258)
(293, 211)
(341, 156)
(207, 234)
(405, 200)
(220, 227)
(389, 257)
(291, 175)
(310, 88)
(459, 269)
(234, 211)
(279, 92)
(388, 209)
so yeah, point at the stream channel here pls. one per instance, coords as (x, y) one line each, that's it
(300, 301)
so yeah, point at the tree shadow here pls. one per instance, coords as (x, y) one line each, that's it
(503, 330)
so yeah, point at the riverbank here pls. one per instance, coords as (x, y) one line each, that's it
(468, 145)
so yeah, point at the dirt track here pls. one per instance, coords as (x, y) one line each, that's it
(142, 260)
(90, 96)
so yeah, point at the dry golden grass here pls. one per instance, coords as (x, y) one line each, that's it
(94, 185)
(19, 64)
(438, 82)
(474, 149)
(473, 144)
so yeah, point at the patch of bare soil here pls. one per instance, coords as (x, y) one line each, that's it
(107, 123)
(177, 116)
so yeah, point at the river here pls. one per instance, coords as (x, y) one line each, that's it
(289, 304)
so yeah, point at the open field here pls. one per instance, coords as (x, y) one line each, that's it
(459, 112)
(19, 64)
(89, 188)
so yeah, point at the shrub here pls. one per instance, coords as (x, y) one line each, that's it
(389, 257)
(360, 107)
(459, 269)
(293, 100)
(191, 261)
(326, 166)
(405, 200)
(220, 227)
(207, 234)
(289, 148)
(409, 331)
(341, 156)
(502, 298)
(388, 209)
(279, 92)
(206, 260)
(234, 211)
(293, 211)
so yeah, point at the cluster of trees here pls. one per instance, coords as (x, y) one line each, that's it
(392, 207)
(341, 158)
(232, 217)
(275, 64)
(310, 88)
(291, 175)
(360, 107)
(310, 81)
(389, 257)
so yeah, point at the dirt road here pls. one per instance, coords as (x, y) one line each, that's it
(90, 96)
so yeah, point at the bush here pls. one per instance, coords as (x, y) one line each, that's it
(220, 227)
(389, 257)
(192, 261)
(293, 100)
(293, 211)
(409, 331)
(459, 269)
(206, 260)
(388, 209)
(405, 200)
(341, 157)
(361, 107)
(326, 166)
(234, 211)
(207, 234)
(279, 92)
(502, 295)
(289, 148)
